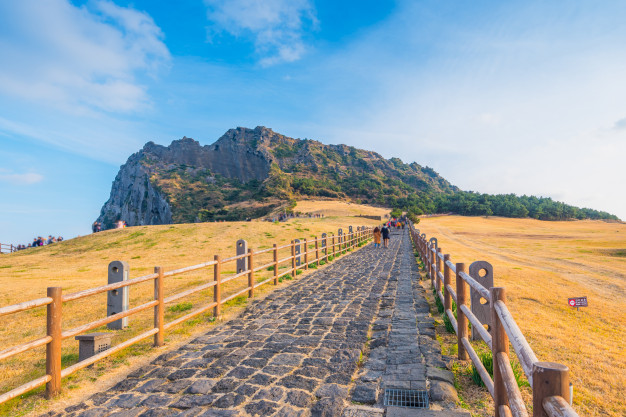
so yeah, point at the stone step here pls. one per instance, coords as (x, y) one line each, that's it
(421, 412)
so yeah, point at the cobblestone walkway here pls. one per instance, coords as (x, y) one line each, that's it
(297, 352)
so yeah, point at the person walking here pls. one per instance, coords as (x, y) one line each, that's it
(376, 237)
(385, 232)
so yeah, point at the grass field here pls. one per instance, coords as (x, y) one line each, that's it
(81, 263)
(541, 264)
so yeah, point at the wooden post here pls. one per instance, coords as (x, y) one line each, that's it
(499, 343)
(159, 309)
(461, 319)
(53, 349)
(447, 298)
(293, 258)
(438, 262)
(306, 254)
(317, 252)
(217, 289)
(275, 264)
(549, 379)
(250, 273)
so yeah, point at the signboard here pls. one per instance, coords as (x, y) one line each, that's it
(577, 302)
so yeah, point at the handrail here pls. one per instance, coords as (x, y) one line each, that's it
(26, 305)
(484, 292)
(188, 268)
(109, 287)
(548, 380)
(312, 253)
(522, 349)
(556, 406)
(516, 403)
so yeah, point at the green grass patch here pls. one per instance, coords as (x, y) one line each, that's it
(184, 306)
(298, 271)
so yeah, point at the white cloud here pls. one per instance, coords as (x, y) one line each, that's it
(21, 179)
(81, 59)
(277, 26)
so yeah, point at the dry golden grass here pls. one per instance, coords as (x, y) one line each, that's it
(541, 264)
(81, 263)
(339, 208)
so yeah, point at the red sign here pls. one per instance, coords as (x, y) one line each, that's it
(577, 302)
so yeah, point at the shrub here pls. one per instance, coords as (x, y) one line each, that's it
(298, 271)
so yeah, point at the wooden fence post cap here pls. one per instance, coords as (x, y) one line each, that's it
(446, 257)
(549, 366)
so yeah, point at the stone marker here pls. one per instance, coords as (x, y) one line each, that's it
(481, 311)
(242, 248)
(117, 300)
(324, 249)
(92, 343)
(297, 249)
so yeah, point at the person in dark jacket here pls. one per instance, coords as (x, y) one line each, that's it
(385, 232)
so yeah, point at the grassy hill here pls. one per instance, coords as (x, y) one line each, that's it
(542, 264)
(81, 263)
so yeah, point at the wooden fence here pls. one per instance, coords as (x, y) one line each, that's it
(549, 381)
(6, 248)
(312, 251)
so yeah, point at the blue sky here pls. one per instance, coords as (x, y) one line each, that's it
(499, 97)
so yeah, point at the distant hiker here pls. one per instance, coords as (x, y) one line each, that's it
(94, 227)
(385, 232)
(377, 237)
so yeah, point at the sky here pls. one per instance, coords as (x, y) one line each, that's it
(524, 97)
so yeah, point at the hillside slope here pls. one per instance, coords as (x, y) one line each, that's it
(187, 182)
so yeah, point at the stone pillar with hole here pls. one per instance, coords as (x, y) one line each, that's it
(242, 249)
(482, 272)
(117, 300)
(324, 247)
(297, 252)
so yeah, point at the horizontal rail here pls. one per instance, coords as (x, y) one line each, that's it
(441, 297)
(484, 292)
(505, 411)
(95, 358)
(189, 292)
(189, 315)
(109, 287)
(476, 324)
(258, 268)
(235, 295)
(86, 327)
(24, 388)
(450, 315)
(556, 406)
(440, 255)
(26, 305)
(288, 258)
(263, 251)
(7, 353)
(440, 275)
(452, 292)
(234, 258)
(451, 266)
(516, 403)
(288, 245)
(284, 273)
(258, 284)
(484, 375)
(522, 349)
(188, 268)
(232, 277)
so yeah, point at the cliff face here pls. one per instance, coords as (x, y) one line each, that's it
(247, 172)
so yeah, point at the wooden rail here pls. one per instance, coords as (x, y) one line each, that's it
(7, 248)
(549, 381)
(312, 252)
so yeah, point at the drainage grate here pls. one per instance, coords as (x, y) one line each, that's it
(406, 398)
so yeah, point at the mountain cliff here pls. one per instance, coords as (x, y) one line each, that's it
(248, 172)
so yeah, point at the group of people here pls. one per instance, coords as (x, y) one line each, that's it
(385, 231)
(41, 241)
(283, 217)
(96, 227)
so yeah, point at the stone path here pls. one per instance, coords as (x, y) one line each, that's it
(298, 351)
